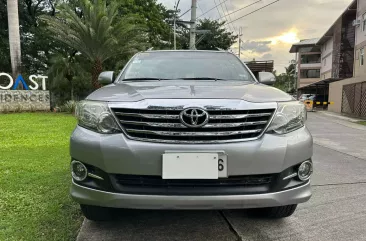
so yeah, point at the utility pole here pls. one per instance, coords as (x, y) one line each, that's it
(240, 34)
(175, 18)
(192, 31)
(239, 47)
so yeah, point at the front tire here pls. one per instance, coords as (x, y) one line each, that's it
(274, 212)
(95, 213)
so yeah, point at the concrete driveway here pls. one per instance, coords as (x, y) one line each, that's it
(337, 210)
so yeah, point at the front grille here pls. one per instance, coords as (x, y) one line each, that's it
(157, 181)
(164, 125)
(155, 185)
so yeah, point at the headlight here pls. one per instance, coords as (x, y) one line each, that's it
(289, 117)
(96, 116)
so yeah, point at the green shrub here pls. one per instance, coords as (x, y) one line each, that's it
(69, 106)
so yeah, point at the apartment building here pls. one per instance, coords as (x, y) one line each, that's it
(308, 61)
(349, 94)
(341, 76)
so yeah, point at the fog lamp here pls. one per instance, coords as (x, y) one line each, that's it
(305, 170)
(78, 171)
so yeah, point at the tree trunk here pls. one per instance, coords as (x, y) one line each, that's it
(14, 37)
(72, 90)
(96, 70)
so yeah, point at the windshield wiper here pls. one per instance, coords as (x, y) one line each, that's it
(201, 78)
(145, 78)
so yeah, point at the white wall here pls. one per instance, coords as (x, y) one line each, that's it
(361, 9)
(310, 66)
(328, 59)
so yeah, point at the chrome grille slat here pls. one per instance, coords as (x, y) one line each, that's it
(149, 116)
(223, 117)
(177, 125)
(164, 125)
(175, 133)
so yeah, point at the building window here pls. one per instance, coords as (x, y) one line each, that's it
(364, 22)
(311, 59)
(362, 54)
(309, 73)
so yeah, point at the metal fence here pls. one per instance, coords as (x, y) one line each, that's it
(354, 99)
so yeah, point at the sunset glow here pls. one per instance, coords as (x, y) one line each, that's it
(288, 37)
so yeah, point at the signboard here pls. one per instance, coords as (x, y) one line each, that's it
(34, 97)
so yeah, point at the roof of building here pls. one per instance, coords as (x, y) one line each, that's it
(328, 34)
(320, 82)
(259, 66)
(302, 43)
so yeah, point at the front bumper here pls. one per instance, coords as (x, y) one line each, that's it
(117, 154)
(90, 196)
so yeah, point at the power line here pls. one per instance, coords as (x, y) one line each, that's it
(252, 12)
(184, 13)
(241, 8)
(227, 10)
(199, 7)
(220, 13)
(232, 5)
(232, 25)
(211, 9)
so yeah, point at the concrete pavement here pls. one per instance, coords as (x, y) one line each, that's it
(337, 210)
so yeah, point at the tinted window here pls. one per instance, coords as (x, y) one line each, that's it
(177, 65)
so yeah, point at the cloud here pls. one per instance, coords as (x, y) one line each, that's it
(256, 46)
(281, 23)
(266, 57)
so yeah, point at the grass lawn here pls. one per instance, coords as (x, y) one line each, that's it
(362, 123)
(35, 178)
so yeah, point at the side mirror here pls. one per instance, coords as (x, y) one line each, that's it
(106, 77)
(266, 78)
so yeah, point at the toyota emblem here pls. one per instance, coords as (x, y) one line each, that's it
(194, 117)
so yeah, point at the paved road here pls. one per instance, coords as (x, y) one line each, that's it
(337, 210)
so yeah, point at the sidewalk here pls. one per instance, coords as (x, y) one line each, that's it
(339, 134)
(342, 120)
(340, 116)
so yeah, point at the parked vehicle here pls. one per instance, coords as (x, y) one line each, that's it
(190, 130)
(304, 97)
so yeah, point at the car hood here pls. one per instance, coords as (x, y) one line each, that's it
(183, 89)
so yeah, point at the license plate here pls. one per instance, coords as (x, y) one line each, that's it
(194, 165)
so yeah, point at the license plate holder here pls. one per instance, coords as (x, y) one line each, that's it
(194, 165)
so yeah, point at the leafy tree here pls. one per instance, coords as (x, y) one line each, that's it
(64, 67)
(94, 30)
(5, 65)
(286, 81)
(36, 45)
(68, 78)
(218, 37)
(154, 16)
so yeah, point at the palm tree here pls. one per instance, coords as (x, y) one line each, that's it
(64, 68)
(97, 32)
(14, 37)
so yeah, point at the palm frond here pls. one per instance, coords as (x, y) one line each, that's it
(100, 33)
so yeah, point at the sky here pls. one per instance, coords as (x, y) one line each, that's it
(269, 33)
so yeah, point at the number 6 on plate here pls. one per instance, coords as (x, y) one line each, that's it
(222, 166)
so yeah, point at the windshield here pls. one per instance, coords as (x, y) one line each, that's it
(186, 65)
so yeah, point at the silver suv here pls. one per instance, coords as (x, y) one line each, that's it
(190, 130)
